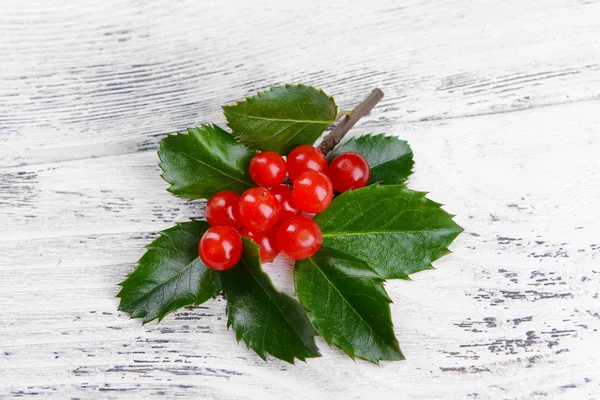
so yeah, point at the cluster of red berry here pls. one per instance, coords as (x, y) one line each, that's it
(270, 214)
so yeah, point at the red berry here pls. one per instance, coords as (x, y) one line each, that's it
(284, 195)
(313, 191)
(349, 171)
(222, 209)
(268, 169)
(299, 237)
(258, 209)
(267, 242)
(305, 158)
(220, 247)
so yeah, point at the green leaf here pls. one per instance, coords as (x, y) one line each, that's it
(348, 304)
(282, 117)
(170, 275)
(203, 162)
(390, 159)
(395, 230)
(269, 321)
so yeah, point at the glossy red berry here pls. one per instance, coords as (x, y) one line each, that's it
(222, 209)
(267, 242)
(220, 247)
(268, 169)
(313, 191)
(299, 237)
(349, 171)
(285, 196)
(305, 158)
(258, 209)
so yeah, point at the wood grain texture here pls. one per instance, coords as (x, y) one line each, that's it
(499, 101)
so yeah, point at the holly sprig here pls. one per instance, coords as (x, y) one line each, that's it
(382, 231)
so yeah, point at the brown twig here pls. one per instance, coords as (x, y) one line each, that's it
(364, 108)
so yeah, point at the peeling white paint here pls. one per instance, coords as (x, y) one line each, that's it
(499, 100)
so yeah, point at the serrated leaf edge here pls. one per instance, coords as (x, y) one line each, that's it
(422, 195)
(389, 301)
(187, 133)
(161, 316)
(239, 337)
(258, 95)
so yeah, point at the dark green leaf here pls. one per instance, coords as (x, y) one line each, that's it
(203, 162)
(390, 158)
(269, 321)
(282, 117)
(348, 304)
(395, 230)
(169, 275)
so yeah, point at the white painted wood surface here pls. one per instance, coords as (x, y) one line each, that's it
(500, 101)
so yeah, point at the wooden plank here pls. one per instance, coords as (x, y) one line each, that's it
(512, 313)
(76, 85)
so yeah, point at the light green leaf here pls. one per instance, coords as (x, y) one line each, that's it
(269, 321)
(397, 231)
(170, 275)
(390, 159)
(203, 162)
(281, 118)
(348, 304)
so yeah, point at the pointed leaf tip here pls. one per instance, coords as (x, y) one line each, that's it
(349, 305)
(170, 275)
(397, 231)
